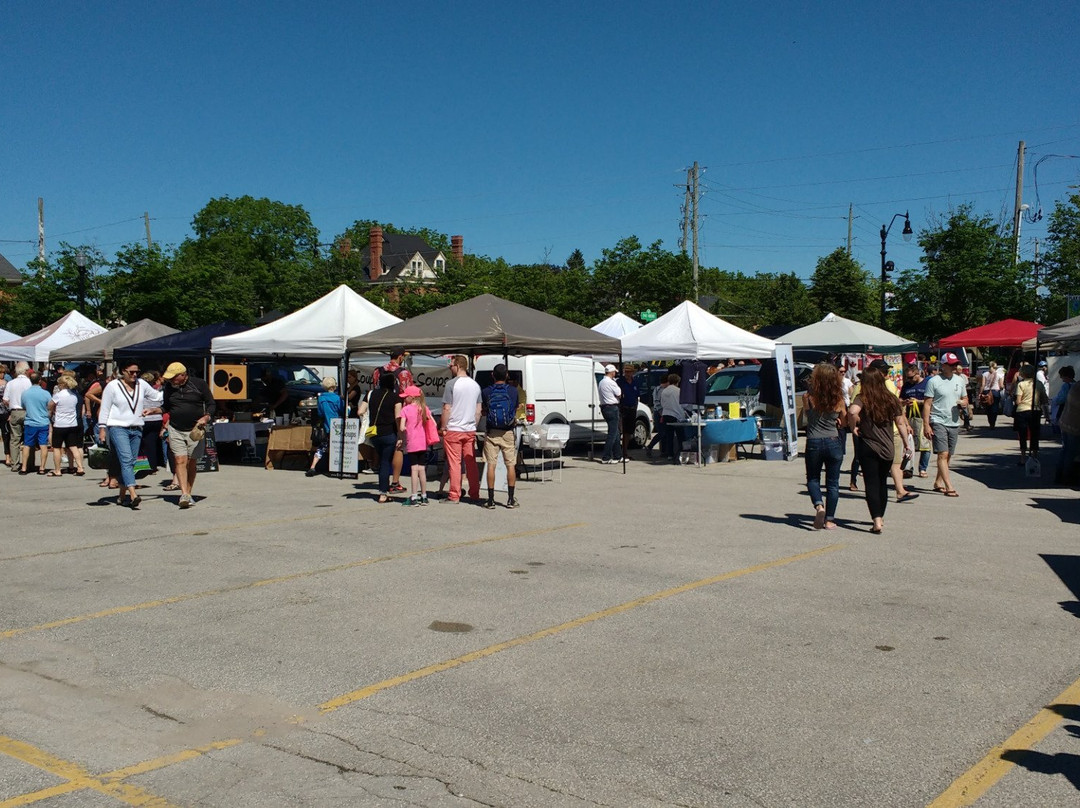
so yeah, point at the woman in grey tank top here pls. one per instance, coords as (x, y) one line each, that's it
(823, 403)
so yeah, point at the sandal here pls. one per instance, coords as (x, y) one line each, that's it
(950, 492)
(171, 487)
(54, 474)
(383, 499)
(42, 472)
(923, 474)
(853, 487)
(80, 473)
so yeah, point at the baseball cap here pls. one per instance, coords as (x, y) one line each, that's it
(950, 359)
(175, 369)
(610, 369)
(411, 390)
(1043, 363)
(882, 365)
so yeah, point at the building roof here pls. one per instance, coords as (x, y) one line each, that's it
(397, 251)
(8, 273)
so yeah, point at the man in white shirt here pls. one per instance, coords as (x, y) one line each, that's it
(609, 409)
(460, 414)
(13, 399)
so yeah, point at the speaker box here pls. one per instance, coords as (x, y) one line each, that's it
(230, 382)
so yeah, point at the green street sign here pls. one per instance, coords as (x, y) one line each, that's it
(648, 315)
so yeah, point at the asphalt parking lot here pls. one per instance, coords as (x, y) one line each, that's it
(667, 637)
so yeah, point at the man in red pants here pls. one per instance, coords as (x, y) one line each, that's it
(460, 414)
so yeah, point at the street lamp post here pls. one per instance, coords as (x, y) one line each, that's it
(80, 262)
(886, 266)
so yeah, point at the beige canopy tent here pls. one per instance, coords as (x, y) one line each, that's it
(104, 347)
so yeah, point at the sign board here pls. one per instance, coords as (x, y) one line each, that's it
(351, 448)
(648, 316)
(229, 382)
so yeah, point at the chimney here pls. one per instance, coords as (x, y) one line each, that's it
(457, 247)
(375, 243)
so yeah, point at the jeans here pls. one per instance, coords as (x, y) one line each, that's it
(1028, 427)
(125, 442)
(670, 439)
(875, 479)
(994, 409)
(924, 460)
(827, 452)
(458, 445)
(612, 445)
(384, 450)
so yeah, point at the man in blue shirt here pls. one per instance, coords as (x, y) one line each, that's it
(35, 401)
(628, 407)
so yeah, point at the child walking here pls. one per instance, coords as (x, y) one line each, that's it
(413, 426)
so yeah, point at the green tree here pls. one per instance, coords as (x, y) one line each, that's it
(630, 278)
(1060, 267)
(576, 260)
(840, 285)
(142, 285)
(51, 289)
(270, 245)
(967, 279)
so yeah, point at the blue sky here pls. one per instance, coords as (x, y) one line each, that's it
(534, 129)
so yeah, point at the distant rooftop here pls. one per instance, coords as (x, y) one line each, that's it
(8, 274)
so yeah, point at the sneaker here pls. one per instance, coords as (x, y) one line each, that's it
(423, 500)
(416, 503)
(609, 462)
(185, 501)
(490, 504)
(397, 488)
(512, 503)
(407, 502)
(310, 473)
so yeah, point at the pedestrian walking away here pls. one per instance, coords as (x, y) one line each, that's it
(872, 416)
(823, 403)
(460, 414)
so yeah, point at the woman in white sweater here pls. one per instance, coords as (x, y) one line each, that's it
(121, 417)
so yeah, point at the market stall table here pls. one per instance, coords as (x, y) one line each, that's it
(284, 439)
(720, 432)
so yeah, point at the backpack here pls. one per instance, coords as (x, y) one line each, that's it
(502, 406)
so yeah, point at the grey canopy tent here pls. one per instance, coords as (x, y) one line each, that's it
(841, 335)
(104, 347)
(487, 324)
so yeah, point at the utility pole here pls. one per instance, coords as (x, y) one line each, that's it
(1017, 211)
(41, 229)
(695, 196)
(849, 209)
(686, 217)
(149, 241)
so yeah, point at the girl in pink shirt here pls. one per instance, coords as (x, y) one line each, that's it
(413, 428)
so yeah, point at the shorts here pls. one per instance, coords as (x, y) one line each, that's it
(628, 417)
(500, 440)
(181, 445)
(417, 458)
(70, 437)
(35, 435)
(945, 438)
(897, 449)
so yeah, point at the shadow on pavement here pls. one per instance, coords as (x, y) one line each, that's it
(1001, 472)
(1067, 510)
(1067, 568)
(804, 521)
(1061, 763)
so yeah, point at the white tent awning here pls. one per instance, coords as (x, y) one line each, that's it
(319, 330)
(72, 327)
(839, 334)
(690, 332)
(617, 325)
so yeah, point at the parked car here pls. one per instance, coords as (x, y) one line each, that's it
(742, 384)
(302, 382)
(562, 390)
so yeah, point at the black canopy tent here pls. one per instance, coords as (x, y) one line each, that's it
(487, 324)
(189, 347)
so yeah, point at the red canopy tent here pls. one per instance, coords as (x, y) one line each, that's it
(1003, 334)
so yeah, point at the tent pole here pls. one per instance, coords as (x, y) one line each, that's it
(624, 457)
(342, 373)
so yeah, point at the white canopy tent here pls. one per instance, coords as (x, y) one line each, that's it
(617, 325)
(839, 334)
(72, 327)
(690, 332)
(7, 336)
(317, 331)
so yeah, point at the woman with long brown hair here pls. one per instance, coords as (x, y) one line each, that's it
(871, 417)
(823, 404)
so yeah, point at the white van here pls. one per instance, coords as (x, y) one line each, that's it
(562, 390)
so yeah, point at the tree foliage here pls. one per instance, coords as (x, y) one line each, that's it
(840, 285)
(1061, 264)
(967, 279)
(50, 290)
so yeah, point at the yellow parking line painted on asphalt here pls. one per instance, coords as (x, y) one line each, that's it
(473, 656)
(220, 528)
(981, 777)
(78, 778)
(152, 604)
